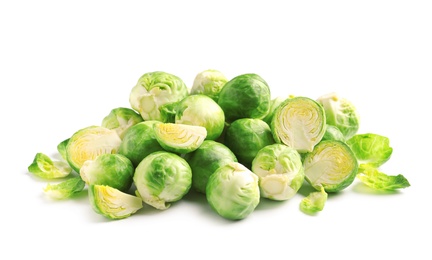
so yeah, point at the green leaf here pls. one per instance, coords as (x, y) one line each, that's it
(314, 202)
(372, 149)
(375, 179)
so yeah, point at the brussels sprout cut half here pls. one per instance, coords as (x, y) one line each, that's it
(155, 89)
(179, 138)
(43, 167)
(331, 165)
(280, 171)
(233, 191)
(161, 178)
(90, 142)
(299, 122)
(112, 203)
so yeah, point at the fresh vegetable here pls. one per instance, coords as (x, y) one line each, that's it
(179, 138)
(65, 189)
(112, 203)
(300, 123)
(120, 119)
(162, 178)
(280, 171)
(209, 82)
(114, 170)
(233, 191)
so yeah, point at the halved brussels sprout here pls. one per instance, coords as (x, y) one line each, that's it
(246, 136)
(341, 113)
(232, 191)
(61, 148)
(245, 96)
(114, 170)
(43, 167)
(205, 160)
(209, 82)
(333, 133)
(197, 110)
(113, 203)
(90, 142)
(120, 119)
(371, 149)
(300, 123)
(314, 202)
(65, 189)
(155, 89)
(280, 171)
(161, 178)
(139, 141)
(331, 165)
(179, 138)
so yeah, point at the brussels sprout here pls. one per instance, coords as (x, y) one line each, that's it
(371, 149)
(43, 167)
(333, 133)
(274, 103)
(314, 202)
(65, 189)
(246, 136)
(139, 141)
(375, 179)
(61, 148)
(205, 160)
(331, 165)
(245, 96)
(341, 113)
(114, 170)
(232, 191)
(179, 138)
(299, 122)
(155, 89)
(280, 171)
(161, 178)
(120, 119)
(209, 82)
(197, 110)
(90, 142)
(113, 203)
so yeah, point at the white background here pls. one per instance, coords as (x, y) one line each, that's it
(65, 64)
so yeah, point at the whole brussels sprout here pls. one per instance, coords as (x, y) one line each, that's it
(199, 110)
(155, 89)
(245, 96)
(209, 82)
(120, 119)
(114, 170)
(90, 142)
(161, 178)
(246, 136)
(280, 171)
(139, 141)
(233, 191)
(205, 160)
(341, 113)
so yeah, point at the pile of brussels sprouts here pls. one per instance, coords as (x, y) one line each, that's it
(226, 139)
